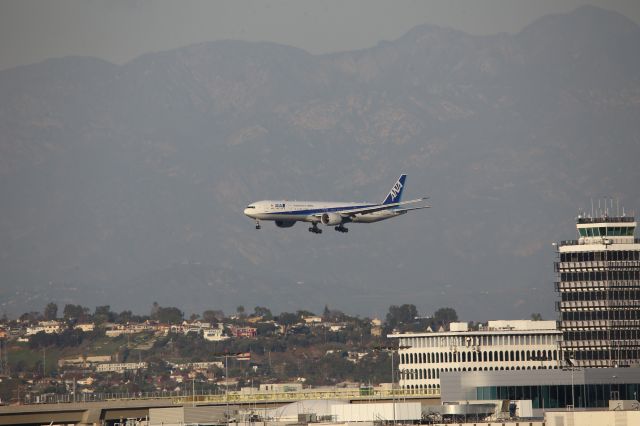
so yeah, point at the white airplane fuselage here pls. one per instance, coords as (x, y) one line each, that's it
(308, 211)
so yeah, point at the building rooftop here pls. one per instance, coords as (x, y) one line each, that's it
(492, 327)
(605, 219)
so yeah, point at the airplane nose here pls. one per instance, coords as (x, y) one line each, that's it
(247, 212)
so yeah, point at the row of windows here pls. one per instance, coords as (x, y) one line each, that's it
(486, 340)
(626, 334)
(595, 256)
(574, 296)
(434, 373)
(600, 315)
(561, 396)
(418, 387)
(607, 231)
(619, 275)
(474, 356)
(587, 355)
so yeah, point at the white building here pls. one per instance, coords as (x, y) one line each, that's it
(48, 327)
(502, 345)
(86, 327)
(215, 334)
(205, 365)
(314, 320)
(120, 367)
(280, 387)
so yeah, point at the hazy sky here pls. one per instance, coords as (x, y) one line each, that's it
(119, 30)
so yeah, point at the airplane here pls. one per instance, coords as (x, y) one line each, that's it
(287, 213)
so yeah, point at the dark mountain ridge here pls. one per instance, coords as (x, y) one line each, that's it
(124, 185)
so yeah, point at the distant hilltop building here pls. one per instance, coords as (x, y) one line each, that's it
(49, 327)
(120, 367)
(502, 345)
(598, 279)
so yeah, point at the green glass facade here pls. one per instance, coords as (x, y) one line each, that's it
(616, 231)
(561, 396)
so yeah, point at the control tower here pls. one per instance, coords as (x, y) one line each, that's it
(598, 279)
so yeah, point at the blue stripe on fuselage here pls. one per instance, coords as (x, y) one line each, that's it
(325, 210)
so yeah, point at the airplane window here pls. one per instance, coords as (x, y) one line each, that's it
(251, 207)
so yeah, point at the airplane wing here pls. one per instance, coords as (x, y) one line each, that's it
(379, 207)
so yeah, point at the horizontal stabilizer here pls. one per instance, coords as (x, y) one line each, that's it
(378, 208)
(412, 208)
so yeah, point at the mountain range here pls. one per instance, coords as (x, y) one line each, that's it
(125, 184)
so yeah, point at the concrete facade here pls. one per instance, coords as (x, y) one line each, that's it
(502, 345)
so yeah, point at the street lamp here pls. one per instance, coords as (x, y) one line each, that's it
(392, 349)
(572, 368)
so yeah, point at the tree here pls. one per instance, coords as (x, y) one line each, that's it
(75, 312)
(265, 328)
(124, 317)
(332, 314)
(154, 309)
(103, 314)
(50, 311)
(30, 317)
(168, 315)
(213, 316)
(536, 316)
(240, 311)
(287, 319)
(262, 312)
(399, 315)
(444, 316)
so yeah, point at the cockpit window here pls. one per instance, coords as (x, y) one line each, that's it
(251, 207)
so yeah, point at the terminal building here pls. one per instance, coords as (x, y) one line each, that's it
(598, 279)
(589, 357)
(500, 346)
(565, 388)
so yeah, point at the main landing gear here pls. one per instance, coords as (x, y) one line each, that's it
(341, 228)
(258, 224)
(314, 228)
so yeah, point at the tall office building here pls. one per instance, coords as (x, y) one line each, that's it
(598, 279)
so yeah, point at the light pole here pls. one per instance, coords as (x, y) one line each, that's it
(392, 349)
(573, 401)
(226, 386)
(571, 367)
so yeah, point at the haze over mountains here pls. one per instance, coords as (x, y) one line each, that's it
(125, 185)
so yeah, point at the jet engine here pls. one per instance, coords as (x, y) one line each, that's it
(330, 219)
(285, 223)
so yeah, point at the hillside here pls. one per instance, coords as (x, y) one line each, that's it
(125, 185)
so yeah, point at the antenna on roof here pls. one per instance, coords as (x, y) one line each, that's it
(611, 199)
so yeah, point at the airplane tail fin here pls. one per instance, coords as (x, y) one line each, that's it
(395, 194)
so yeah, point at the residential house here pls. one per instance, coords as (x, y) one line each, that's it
(86, 327)
(244, 332)
(49, 327)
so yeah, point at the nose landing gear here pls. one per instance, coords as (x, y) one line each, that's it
(314, 228)
(258, 224)
(341, 228)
